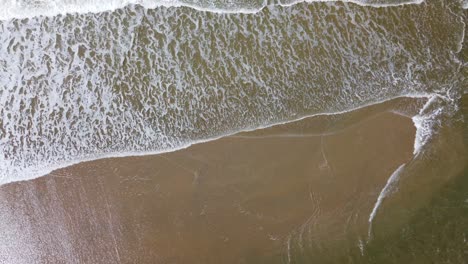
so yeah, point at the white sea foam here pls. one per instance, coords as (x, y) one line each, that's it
(426, 121)
(30, 8)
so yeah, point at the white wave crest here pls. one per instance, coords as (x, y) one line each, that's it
(10, 9)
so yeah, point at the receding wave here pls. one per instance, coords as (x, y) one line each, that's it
(31, 8)
(139, 81)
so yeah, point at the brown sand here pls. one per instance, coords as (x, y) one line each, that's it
(249, 198)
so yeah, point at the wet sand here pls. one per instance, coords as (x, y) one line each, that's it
(303, 188)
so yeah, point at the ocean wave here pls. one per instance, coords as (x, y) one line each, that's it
(142, 81)
(30, 8)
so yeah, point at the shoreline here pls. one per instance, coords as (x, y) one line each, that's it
(43, 171)
(200, 204)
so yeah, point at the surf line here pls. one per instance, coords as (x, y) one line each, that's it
(54, 8)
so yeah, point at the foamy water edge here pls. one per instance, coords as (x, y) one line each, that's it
(54, 8)
(421, 138)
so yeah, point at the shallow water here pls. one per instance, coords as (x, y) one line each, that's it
(377, 175)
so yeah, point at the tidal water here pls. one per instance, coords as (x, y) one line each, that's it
(87, 80)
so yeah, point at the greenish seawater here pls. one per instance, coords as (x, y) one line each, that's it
(435, 232)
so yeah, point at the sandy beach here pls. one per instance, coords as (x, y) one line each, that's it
(255, 197)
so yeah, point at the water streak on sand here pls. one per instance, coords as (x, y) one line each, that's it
(389, 188)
